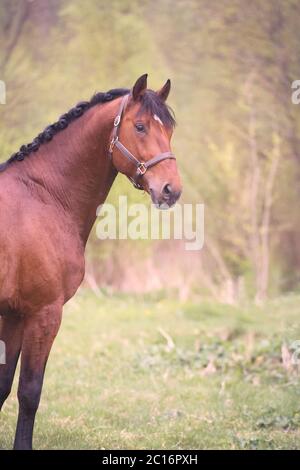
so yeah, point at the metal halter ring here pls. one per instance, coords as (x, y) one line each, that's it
(112, 144)
(141, 169)
(117, 120)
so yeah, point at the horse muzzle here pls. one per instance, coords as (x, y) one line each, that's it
(166, 197)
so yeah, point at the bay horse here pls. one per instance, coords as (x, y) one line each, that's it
(49, 194)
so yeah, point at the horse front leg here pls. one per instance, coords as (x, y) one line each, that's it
(11, 332)
(39, 333)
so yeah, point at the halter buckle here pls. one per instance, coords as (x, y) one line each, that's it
(117, 120)
(112, 144)
(141, 169)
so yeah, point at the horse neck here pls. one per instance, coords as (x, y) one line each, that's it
(74, 168)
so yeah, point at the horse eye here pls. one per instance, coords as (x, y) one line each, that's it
(140, 127)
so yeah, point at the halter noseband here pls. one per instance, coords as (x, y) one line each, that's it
(141, 167)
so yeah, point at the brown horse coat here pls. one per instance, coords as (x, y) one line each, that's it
(48, 204)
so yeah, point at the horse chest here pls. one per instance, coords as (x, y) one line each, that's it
(44, 263)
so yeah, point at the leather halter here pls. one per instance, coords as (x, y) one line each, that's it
(141, 167)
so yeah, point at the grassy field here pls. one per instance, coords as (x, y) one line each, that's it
(153, 373)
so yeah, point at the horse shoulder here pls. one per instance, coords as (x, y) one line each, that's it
(43, 254)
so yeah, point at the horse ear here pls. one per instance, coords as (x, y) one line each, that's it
(140, 86)
(163, 93)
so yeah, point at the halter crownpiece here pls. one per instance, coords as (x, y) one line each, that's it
(141, 167)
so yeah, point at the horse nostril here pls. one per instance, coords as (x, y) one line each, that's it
(167, 189)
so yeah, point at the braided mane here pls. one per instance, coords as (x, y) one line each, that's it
(62, 123)
(150, 103)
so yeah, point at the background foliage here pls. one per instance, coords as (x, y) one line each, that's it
(196, 373)
(237, 141)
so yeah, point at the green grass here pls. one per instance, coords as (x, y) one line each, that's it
(132, 372)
